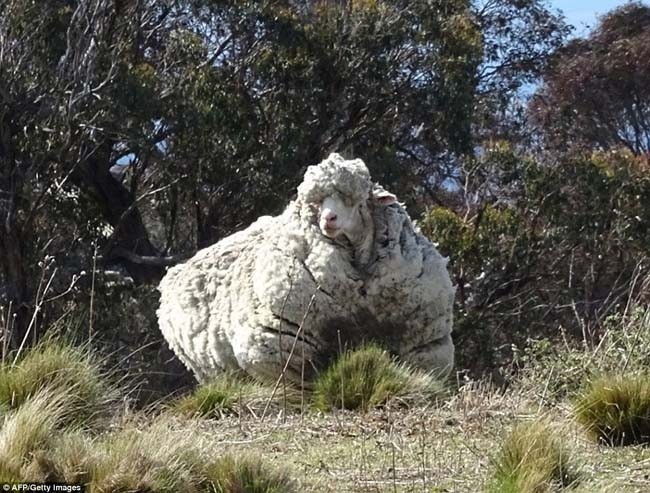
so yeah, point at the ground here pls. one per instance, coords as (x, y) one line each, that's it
(441, 448)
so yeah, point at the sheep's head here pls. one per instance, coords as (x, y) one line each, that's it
(340, 216)
(341, 194)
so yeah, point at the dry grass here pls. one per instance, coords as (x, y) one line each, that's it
(534, 458)
(60, 367)
(445, 446)
(29, 429)
(449, 447)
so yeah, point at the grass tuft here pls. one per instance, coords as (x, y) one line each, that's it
(246, 474)
(28, 430)
(156, 457)
(165, 455)
(532, 459)
(59, 367)
(228, 394)
(616, 409)
(368, 378)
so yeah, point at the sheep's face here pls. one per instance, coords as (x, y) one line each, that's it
(340, 217)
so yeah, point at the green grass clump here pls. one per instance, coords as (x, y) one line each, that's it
(246, 474)
(60, 367)
(532, 459)
(229, 393)
(368, 378)
(616, 409)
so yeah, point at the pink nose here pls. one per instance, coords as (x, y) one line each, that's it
(330, 218)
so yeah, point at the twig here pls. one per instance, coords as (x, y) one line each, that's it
(293, 348)
(284, 382)
(92, 294)
(37, 308)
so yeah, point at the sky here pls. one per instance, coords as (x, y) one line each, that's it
(583, 14)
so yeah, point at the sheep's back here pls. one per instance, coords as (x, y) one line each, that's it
(410, 282)
(203, 298)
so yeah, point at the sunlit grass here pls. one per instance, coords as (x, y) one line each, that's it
(60, 367)
(616, 409)
(231, 393)
(246, 474)
(369, 377)
(532, 459)
(29, 429)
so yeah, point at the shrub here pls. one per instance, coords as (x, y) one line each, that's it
(532, 459)
(369, 377)
(231, 474)
(616, 409)
(562, 370)
(61, 367)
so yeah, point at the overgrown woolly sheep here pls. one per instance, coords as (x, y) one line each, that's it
(343, 264)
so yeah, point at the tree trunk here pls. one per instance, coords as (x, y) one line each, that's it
(120, 210)
(12, 264)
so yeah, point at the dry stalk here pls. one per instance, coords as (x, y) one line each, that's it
(291, 353)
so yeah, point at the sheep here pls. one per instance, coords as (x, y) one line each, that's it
(343, 264)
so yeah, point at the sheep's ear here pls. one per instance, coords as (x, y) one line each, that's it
(383, 197)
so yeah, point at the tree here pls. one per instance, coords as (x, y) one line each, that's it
(519, 38)
(596, 95)
(153, 127)
(134, 132)
(534, 247)
(64, 122)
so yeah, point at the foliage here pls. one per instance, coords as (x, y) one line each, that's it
(367, 377)
(532, 459)
(534, 247)
(177, 123)
(596, 94)
(615, 408)
(519, 38)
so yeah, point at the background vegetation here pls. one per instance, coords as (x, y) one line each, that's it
(134, 132)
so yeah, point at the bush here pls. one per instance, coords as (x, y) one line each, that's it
(532, 459)
(369, 377)
(562, 370)
(616, 409)
(60, 367)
